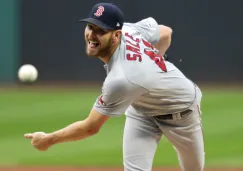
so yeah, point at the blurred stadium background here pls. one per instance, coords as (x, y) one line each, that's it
(206, 46)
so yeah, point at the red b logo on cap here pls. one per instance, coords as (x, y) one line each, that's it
(99, 11)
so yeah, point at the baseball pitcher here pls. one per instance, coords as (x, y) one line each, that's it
(156, 97)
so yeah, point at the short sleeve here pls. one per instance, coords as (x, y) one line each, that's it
(116, 96)
(149, 29)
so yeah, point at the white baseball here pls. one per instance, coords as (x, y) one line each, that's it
(27, 73)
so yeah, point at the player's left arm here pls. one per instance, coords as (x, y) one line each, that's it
(75, 131)
(116, 96)
(80, 129)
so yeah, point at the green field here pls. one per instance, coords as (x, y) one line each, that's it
(29, 110)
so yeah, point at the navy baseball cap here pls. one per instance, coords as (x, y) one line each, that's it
(105, 15)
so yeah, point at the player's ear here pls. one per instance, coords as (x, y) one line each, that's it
(116, 36)
(119, 33)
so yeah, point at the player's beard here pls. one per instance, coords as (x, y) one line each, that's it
(102, 52)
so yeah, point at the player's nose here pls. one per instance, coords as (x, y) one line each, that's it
(91, 34)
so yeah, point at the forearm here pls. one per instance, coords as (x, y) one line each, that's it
(163, 45)
(165, 39)
(76, 131)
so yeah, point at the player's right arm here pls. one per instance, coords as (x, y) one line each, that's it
(158, 35)
(164, 39)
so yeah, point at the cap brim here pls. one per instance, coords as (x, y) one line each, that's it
(97, 23)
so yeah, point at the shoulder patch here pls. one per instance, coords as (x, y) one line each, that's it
(100, 101)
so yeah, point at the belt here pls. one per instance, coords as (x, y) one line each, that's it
(170, 116)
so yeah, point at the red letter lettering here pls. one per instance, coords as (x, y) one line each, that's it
(147, 44)
(134, 57)
(136, 45)
(137, 40)
(128, 47)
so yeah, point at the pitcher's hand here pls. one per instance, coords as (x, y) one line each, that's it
(39, 140)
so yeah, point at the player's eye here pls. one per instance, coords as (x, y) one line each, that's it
(97, 30)
(101, 31)
(90, 27)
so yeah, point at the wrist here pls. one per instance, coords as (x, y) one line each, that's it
(51, 139)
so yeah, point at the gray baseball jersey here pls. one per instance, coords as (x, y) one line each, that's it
(139, 81)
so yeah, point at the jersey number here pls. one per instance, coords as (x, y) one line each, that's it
(159, 60)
